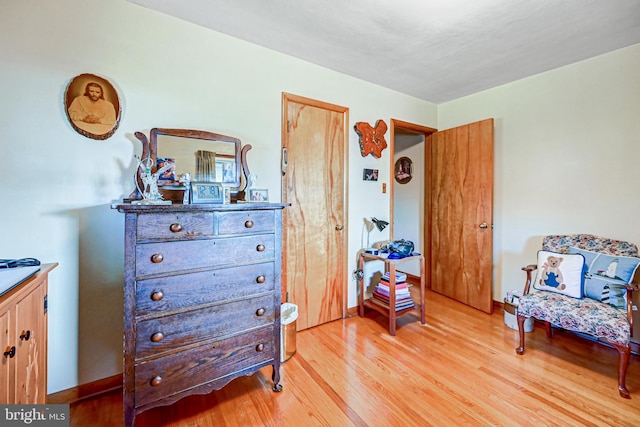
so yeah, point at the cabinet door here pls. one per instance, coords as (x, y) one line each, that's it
(31, 352)
(6, 379)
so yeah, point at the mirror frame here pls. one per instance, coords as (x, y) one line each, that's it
(150, 149)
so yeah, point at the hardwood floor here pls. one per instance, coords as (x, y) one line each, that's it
(460, 368)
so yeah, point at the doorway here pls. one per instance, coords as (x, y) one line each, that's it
(457, 211)
(409, 196)
(314, 231)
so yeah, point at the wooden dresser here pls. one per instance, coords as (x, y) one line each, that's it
(201, 300)
(23, 339)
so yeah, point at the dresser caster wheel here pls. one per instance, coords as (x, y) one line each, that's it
(277, 388)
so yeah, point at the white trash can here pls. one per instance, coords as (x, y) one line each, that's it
(511, 319)
(288, 317)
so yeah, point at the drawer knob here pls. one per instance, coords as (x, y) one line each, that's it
(249, 224)
(260, 312)
(157, 295)
(11, 351)
(260, 347)
(260, 279)
(157, 337)
(25, 335)
(260, 248)
(175, 227)
(155, 381)
(157, 258)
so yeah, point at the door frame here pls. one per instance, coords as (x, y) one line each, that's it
(426, 131)
(286, 98)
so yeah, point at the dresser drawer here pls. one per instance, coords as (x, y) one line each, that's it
(246, 222)
(197, 366)
(154, 296)
(174, 225)
(155, 336)
(167, 257)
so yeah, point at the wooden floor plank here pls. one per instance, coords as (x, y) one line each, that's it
(459, 369)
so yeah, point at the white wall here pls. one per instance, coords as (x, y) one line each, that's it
(567, 147)
(58, 185)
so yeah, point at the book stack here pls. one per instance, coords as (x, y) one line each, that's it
(403, 297)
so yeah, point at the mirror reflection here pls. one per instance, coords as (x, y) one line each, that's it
(203, 160)
(203, 156)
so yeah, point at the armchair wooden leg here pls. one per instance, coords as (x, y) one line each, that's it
(547, 328)
(623, 364)
(521, 320)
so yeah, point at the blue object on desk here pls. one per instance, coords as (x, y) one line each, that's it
(399, 249)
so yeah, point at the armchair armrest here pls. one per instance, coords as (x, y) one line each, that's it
(632, 287)
(528, 269)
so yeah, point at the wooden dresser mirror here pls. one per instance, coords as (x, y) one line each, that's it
(205, 156)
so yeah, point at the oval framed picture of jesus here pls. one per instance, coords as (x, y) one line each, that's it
(92, 106)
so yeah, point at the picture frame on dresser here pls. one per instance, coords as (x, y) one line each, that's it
(258, 195)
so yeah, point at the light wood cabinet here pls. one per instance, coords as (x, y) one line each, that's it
(201, 299)
(23, 340)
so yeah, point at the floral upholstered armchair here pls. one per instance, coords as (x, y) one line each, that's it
(584, 283)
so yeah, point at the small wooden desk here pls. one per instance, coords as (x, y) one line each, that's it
(390, 266)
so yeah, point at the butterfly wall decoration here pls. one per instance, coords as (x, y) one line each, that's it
(371, 138)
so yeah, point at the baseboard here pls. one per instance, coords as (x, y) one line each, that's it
(86, 391)
(353, 311)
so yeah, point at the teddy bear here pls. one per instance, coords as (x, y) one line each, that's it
(551, 274)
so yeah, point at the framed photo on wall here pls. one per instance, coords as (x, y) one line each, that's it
(403, 170)
(370, 174)
(92, 106)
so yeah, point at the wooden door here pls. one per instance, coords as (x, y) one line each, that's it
(462, 214)
(314, 226)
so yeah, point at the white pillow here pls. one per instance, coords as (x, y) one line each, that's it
(561, 273)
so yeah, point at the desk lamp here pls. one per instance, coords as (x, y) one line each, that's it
(369, 225)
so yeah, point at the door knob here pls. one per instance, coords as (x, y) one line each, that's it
(11, 351)
(339, 227)
(484, 225)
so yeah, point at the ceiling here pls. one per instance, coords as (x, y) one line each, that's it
(436, 50)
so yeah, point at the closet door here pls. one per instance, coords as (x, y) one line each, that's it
(462, 214)
(314, 226)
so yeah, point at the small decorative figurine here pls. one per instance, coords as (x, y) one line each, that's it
(253, 179)
(149, 190)
(185, 181)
